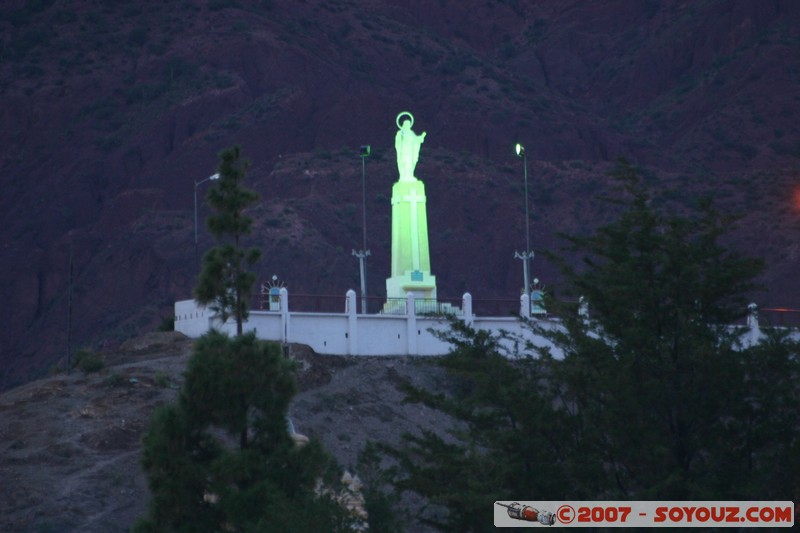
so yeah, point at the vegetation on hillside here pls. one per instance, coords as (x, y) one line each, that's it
(655, 397)
(225, 281)
(222, 459)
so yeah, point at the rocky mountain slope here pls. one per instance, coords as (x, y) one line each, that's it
(70, 444)
(111, 112)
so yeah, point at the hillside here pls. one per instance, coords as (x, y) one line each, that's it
(70, 444)
(110, 112)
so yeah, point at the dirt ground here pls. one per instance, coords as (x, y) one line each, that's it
(70, 444)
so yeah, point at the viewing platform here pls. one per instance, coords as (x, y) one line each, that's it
(409, 326)
(403, 326)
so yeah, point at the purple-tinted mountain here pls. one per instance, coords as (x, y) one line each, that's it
(111, 111)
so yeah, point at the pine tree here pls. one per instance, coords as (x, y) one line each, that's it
(653, 377)
(225, 283)
(761, 440)
(656, 396)
(221, 459)
(509, 439)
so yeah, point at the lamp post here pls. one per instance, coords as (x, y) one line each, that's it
(197, 184)
(527, 255)
(363, 253)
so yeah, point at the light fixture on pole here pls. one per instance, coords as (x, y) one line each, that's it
(527, 255)
(212, 177)
(363, 253)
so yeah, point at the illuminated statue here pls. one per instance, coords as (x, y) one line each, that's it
(411, 262)
(407, 144)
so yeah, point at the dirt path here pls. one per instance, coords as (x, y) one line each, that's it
(70, 445)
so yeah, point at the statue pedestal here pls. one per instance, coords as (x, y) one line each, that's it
(421, 284)
(411, 264)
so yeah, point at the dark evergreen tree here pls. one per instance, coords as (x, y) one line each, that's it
(656, 396)
(221, 459)
(510, 439)
(225, 283)
(760, 448)
(654, 375)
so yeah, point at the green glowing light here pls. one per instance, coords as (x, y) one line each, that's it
(411, 264)
(407, 145)
(519, 149)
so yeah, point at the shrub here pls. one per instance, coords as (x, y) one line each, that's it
(88, 361)
(162, 379)
(115, 380)
(167, 324)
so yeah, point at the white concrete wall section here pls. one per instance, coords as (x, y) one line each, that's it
(266, 324)
(345, 333)
(324, 332)
(191, 319)
(382, 334)
(516, 333)
(427, 342)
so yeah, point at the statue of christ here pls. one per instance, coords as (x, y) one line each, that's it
(407, 145)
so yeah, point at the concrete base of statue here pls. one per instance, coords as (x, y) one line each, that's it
(411, 264)
(421, 284)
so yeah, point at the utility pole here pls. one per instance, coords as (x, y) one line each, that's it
(363, 253)
(69, 314)
(527, 255)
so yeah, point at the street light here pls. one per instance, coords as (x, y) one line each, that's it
(363, 253)
(365, 150)
(212, 177)
(527, 255)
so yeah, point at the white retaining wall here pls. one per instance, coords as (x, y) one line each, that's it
(194, 319)
(350, 333)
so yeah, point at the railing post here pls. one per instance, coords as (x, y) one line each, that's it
(525, 306)
(752, 323)
(352, 323)
(466, 305)
(411, 322)
(752, 316)
(284, 296)
(583, 310)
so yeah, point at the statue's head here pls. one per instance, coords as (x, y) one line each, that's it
(407, 122)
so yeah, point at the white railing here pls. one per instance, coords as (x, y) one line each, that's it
(402, 327)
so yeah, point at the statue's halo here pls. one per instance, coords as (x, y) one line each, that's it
(397, 120)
